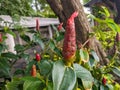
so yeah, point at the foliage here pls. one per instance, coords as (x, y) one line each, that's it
(25, 8)
(52, 73)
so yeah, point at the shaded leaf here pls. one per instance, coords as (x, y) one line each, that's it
(84, 56)
(58, 74)
(82, 73)
(25, 37)
(45, 67)
(116, 71)
(87, 84)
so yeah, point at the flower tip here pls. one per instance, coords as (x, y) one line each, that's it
(60, 26)
(75, 14)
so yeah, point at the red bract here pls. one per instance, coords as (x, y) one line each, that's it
(104, 81)
(118, 37)
(0, 37)
(38, 57)
(33, 71)
(69, 44)
(37, 24)
(60, 26)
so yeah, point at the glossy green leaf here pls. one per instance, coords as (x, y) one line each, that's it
(82, 73)
(116, 71)
(25, 38)
(52, 44)
(87, 84)
(9, 55)
(11, 33)
(37, 39)
(58, 74)
(110, 87)
(64, 78)
(106, 12)
(102, 87)
(14, 84)
(45, 67)
(31, 85)
(4, 67)
(69, 79)
(94, 54)
(84, 55)
(19, 47)
(56, 31)
(30, 78)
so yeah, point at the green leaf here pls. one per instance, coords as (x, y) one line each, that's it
(37, 39)
(104, 87)
(112, 25)
(50, 86)
(45, 67)
(56, 31)
(84, 55)
(94, 54)
(9, 55)
(4, 67)
(14, 84)
(110, 87)
(11, 33)
(58, 74)
(19, 47)
(31, 85)
(82, 73)
(30, 78)
(1, 48)
(116, 71)
(25, 37)
(87, 84)
(69, 79)
(64, 78)
(52, 44)
(107, 14)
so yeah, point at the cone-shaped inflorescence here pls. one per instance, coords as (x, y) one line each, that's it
(37, 24)
(69, 44)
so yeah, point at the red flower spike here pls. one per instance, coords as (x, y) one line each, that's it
(59, 26)
(118, 37)
(104, 81)
(33, 71)
(38, 57)
(37, 24)
(69, 44)
(0, 37)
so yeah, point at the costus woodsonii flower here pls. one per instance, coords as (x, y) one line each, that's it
(37, 24)
(69, 44)
(33, 71)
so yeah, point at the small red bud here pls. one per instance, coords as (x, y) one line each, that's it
(118, 37)
(0, 37)
(38, 57)
(37, 24)
(104, 81)
(59, 26)
(33, 71)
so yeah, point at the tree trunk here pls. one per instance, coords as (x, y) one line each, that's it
(63, 9)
